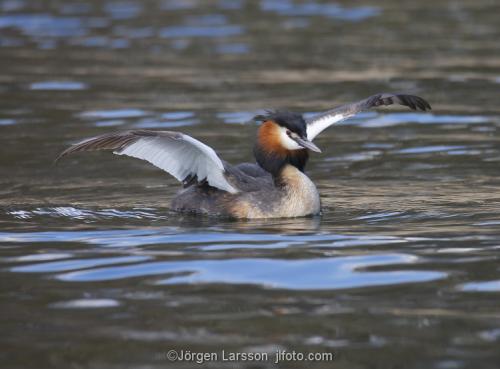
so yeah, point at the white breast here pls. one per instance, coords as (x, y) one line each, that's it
(302, 197)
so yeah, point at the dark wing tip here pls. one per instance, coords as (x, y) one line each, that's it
(73, 148)
(414, 102)
(411, 101)
(110, 141)
(60, 156)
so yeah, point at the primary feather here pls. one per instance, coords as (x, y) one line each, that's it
(176, 153)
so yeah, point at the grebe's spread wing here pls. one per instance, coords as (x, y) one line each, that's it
(176, 153)
(318, 123)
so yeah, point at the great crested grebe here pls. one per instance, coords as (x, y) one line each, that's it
(274, 187)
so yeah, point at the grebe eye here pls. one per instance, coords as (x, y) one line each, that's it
(288, 132)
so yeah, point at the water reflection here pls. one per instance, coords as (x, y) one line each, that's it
(113, 114)
(43, 25)
(58, 86)
(488, 286)
(123, 9)
(86, 304)
(200, 31)
(325, 273)
(393, 119)
(78, 264)
(311, 8)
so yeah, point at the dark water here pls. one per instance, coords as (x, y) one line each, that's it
(400, 271)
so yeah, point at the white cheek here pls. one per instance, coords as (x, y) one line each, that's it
(287, 142)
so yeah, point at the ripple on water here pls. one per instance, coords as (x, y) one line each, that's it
(58, 86)
(202, 240)
(116, 117)
(86, 304)
(178, 115)
(315, 273)
(307, 274)
(85, 214)
(201, 31)
(104, 238)
(121, 10)
(44, 25)
(179, 4)
(75, 264)
(7, 122)
(169, 120)
(488, 286)
(311, 8)
(490, 335)
(113, 114)
(429, 149)
(394, 119)
(77, 8)
(12, 5)
(238, 117)
(109, 123)
(37, 257)
(232, 48)
(206, 20)
(230, 4)
(359, 156)
(142, 237)
(134, 32)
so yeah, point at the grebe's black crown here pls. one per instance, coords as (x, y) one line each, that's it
(293, 121)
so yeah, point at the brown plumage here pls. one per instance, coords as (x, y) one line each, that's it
(268, 137)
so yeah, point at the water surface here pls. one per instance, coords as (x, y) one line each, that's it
(401, 269)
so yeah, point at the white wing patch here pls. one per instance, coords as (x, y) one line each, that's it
(320, 123)
(181, 156)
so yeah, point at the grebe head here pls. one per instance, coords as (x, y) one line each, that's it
(282, 139)
(285, 130)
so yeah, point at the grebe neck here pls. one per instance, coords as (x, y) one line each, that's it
(274, 160)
